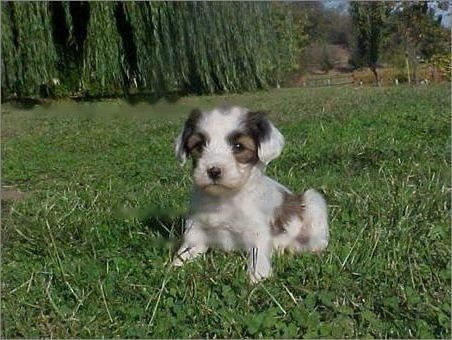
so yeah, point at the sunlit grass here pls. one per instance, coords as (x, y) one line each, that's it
(75, 267)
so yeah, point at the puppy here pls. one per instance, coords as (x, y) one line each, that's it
(234, 205)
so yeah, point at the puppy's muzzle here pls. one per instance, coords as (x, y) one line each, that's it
(214, 173)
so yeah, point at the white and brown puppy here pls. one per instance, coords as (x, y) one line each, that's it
(234, 205)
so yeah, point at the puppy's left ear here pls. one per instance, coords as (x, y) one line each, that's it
(181, 154)
(187, 131)
(270, 141)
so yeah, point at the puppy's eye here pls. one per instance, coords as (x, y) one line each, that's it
(237, 147)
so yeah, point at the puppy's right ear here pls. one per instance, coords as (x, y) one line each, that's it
(188, 129)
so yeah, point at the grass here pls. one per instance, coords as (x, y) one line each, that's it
(75, 264)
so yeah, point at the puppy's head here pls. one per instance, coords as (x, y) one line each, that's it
(225, 145)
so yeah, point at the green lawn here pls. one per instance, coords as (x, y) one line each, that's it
(76, 264)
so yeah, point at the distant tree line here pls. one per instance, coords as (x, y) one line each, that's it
(113, 48)
(401, 34)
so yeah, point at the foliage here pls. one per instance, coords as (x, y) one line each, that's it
(443, 63)
(290, 36)
(8, 60)
(324, 25)
(155, 45)
(413, 34)
(68, 44)
(367, 20)
(326, 62)
(395, 75)
(111, 48)
(326, 31)
(73, 267)
(419, 31)
(103, 63)
(29, 57)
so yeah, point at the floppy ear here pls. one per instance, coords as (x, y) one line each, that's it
(271, 148)
(187, 131)
(181, 154)
(269, 140)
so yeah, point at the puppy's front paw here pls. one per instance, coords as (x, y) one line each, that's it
(317, 244)
(187, 253)
(258, 277)
(177, 262)
(259, 266)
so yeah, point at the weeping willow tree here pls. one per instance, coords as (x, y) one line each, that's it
(29, 57)
(111, 48)
(144, 18)
(208, 47)
(66, 19)
(9, 66)
(103, 64)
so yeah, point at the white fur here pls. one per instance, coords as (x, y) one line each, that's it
(270, 150)
(238, 215)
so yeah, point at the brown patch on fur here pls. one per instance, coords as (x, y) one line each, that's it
(292, 205)
(190, 128)
(244, 148)
(303, 237)
(257, 126)
(195, 144)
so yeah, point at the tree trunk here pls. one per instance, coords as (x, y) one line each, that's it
(415, 73)
(407, 63)
(373, 68)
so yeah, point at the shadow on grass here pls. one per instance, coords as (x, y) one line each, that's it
(46, 99)
(165, 225)
(153, 98)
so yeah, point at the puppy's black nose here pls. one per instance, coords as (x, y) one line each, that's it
(214, 172)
